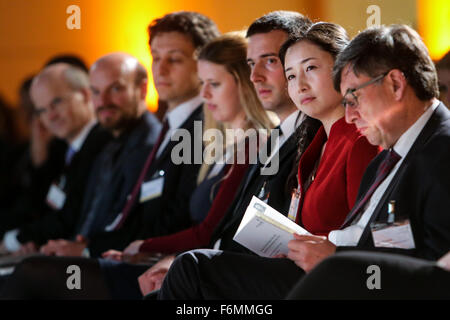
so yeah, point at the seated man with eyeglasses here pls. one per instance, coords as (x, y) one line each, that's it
(63, 103)
(390, 91)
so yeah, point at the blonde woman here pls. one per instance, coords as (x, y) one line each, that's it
(230, 102)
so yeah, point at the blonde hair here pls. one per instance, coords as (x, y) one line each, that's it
(230, 51)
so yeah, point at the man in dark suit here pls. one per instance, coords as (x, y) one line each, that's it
(265, 37)
(63, 102)
(118, 83)
(266, 179)
(158, 201)
(160, 193)
(366, 275)
(389, 85)
(163, 194)
(29, 168)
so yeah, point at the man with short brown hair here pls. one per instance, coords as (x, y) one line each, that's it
(390, 91)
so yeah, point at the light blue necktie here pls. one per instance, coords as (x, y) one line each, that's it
(69, 155)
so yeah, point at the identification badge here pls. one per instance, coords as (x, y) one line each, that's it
(293, 207)
(393, 235)
(152, 189)
(56, 197)
(263, 195)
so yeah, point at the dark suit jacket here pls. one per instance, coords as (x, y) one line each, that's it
(23, 196)
(251, 185)
(421, 190)
(56, 223)
(114, 174)
(162, 215)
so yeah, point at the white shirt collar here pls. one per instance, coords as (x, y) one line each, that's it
(77, 143)
(176, 118)
(407, 139)
(351, 235)
(179, 114)
(289, 125)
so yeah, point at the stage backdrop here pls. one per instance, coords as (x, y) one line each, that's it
(32, 31)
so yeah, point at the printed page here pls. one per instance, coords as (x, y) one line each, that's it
(265, 231)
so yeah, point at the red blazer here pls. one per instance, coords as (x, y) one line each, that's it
(333, 192)
(199, 236)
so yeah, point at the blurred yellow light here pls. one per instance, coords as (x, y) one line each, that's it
(434, 25)
(132, 20)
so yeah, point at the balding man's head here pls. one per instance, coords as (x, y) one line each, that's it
(122, 63)
(119, 87)
(63, 74)
(61, 95)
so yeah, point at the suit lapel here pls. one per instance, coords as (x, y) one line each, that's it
(92, 141)
(366, 182)
(188, 124)
(286, 150)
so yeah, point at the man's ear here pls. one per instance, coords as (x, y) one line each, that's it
(398, 83)
(143, 89)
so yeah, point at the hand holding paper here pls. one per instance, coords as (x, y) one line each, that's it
(308, 250)
(265, 231)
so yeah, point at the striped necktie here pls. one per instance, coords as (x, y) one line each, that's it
(69, 155)
(132, 197)
(383, 171)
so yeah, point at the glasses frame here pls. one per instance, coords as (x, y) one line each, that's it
(54, 105)
(363, 85)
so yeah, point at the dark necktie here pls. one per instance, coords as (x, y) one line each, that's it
(96, 212)
(255, 169)
(69, 155)
(383, 171)
(132, 197)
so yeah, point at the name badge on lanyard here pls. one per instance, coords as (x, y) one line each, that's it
(295, 202)
(393, 234)
(263, 195)
(152, 189)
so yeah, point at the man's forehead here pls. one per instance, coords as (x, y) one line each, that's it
(105, 74)
(172, 42)
(348, 78)
(262, 44)
(44, 92)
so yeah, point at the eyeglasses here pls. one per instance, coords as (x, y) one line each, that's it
(350, 99)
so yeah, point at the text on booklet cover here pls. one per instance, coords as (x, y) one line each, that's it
(266, 231)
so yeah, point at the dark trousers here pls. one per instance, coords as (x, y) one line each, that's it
(348, 275)
(48, 278)
(214, 274)
(122, 279)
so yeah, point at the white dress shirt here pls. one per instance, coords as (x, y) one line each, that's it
(176, 117)
(350, 236)
(287, 128)
(78, 142)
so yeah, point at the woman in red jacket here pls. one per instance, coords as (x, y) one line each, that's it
(229, 98)
(331, 168)
(225, 78)
(230, 102)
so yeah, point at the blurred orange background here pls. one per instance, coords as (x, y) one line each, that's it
(32, 31)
